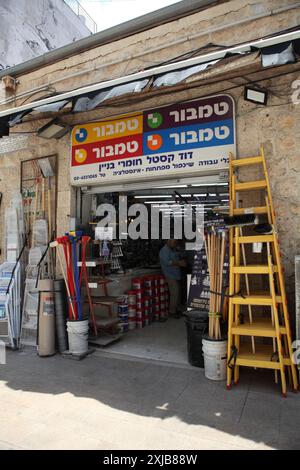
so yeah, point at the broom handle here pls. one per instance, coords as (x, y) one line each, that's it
(65, 279)
(221, 277)
(217, 284)
(43, 195)
(212, 284)
(35, 211)
(214, 281)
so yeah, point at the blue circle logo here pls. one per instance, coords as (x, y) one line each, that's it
(81, 134)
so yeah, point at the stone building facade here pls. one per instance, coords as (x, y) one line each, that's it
(276, 125)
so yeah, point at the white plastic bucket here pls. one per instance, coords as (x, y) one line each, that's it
(78, 332)
(215, 359)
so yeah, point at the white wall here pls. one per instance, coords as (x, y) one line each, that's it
(29, 28)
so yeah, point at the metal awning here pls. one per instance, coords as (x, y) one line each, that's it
(275, 50)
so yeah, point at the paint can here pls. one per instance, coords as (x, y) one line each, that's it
(78, 332)
(123, 309)
(131, 311)
(132, 318)
(156, 312)
(139, 295)
(156, 299)
(123, 317)
(139, 314)
(148, 281)
(131, 297)
(148, 292)
(132, 323)
(147, 302)
(139, 323)
(123, 327)
(139, 304)
(137, 283)
(162, 298)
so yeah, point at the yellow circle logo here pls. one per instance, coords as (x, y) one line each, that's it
(80, 155)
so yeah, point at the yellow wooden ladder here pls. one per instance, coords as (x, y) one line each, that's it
(278, 354)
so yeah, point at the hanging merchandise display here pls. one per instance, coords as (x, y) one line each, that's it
(31, 298)
(67, 248)
(10, 309)
(12, 274)
(14, 228)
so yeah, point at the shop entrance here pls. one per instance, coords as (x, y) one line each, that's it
(133, 267)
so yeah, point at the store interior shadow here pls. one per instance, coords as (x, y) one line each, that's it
(250, 411)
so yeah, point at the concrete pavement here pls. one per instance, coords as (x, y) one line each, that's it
(110, 403)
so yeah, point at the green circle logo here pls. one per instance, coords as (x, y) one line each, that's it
(154, 120)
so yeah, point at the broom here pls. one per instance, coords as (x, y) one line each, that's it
(215, 247)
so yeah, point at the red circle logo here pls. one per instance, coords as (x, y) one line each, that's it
(154, 141)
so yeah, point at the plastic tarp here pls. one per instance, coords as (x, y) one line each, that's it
(86, 103)
(17, 118)
(52, 107)
(278, 55)
(172, 78)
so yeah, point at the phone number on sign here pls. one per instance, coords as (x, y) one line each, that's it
(84, 177)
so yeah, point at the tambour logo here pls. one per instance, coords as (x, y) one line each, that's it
(154, 120)
(80, 155)
(154, 141)
(81, 135)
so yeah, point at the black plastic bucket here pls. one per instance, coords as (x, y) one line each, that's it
(196, 326)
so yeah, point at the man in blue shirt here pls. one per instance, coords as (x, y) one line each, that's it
(171, 265)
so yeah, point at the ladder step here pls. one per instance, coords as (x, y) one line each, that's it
(250, 210)
(253, 269)
(260, 327)
(247, 161)
(255, 300)
(262, 358)
(249, 185)
(255, 239)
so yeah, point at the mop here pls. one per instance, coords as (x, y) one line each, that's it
(74, 237)
(64, 241)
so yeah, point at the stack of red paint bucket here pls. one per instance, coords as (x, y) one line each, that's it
(131, 309)
(147, 301)
(160, 299)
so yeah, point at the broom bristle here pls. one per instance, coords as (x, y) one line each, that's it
(240, 220)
